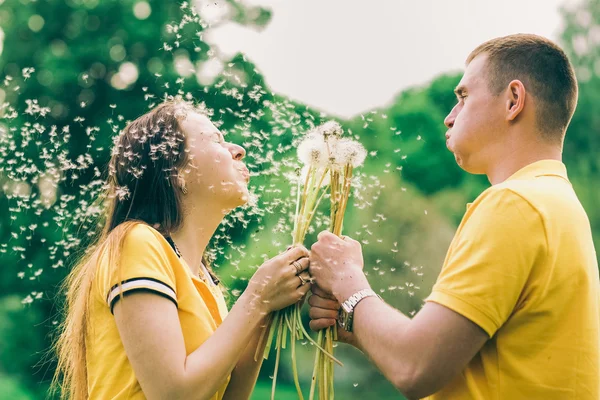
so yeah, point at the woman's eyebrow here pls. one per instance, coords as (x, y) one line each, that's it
(218, 134)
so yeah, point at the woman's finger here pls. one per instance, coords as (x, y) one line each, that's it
(304, 279)
(302, 290)
(299, 265)
(295, 253)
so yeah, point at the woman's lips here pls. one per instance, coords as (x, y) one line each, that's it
(245, 173)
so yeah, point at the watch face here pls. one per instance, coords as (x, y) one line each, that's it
(343, 318)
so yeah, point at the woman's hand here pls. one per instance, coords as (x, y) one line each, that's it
(281, 281)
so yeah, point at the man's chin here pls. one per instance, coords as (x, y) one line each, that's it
(461, 163)
(458, 160)
(468, 167)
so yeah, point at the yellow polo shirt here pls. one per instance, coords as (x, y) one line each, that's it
(147, 263)
(522, 266)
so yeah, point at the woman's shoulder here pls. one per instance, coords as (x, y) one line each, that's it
(134, 245)
(140, 233)
(143, 261)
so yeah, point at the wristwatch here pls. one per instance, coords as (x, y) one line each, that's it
(346, 312)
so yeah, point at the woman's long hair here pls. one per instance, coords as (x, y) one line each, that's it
(143, 186)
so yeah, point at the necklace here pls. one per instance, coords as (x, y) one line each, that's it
(200, 276)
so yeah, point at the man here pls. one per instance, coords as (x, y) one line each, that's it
(514, 313)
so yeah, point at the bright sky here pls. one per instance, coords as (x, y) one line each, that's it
(345, 57)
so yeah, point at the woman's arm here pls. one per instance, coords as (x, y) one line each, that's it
(151, 333)
(245, 373)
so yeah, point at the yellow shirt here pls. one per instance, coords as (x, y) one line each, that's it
(148, 263)
(522, 266)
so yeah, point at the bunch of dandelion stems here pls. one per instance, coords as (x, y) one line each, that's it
(323, 367)
(288, 321)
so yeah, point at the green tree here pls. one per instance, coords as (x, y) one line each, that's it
(581, 41)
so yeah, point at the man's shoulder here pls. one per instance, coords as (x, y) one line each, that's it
(505, 199)
(553, 197)
(540, 195)
(530, 204)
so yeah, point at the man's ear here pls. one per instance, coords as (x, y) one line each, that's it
(515, 102)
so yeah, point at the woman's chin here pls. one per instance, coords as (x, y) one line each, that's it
(241, 196)
(244, 196)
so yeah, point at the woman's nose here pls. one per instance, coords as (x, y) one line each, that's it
(237, 152)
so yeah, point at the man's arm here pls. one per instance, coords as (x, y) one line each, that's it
(418, 356)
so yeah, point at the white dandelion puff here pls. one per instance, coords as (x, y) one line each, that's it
(331, 129)
(312, 151)
(348, 152)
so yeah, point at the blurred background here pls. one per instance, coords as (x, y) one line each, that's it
(73, 72)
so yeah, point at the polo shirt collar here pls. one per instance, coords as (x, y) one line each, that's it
(538, 168)
(541, 168)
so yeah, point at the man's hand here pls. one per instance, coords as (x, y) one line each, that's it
(336, 265)
(324, 312)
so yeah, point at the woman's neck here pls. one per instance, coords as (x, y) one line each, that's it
(199, 225)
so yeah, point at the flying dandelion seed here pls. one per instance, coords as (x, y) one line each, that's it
(52, 170)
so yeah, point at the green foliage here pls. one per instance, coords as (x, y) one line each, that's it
(12, 389)
(405, 227)
(581, 41)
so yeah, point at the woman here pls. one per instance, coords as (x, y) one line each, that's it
(145, 317)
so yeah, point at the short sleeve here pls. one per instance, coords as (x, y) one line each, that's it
(491, 258)
(143, 267)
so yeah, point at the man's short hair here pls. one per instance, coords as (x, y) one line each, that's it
(543, 68)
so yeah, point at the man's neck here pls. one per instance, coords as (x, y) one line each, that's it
(200, 223)
(510, 163)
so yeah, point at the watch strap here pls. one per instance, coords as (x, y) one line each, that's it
(350, 303)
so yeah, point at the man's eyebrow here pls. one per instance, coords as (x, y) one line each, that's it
(460, 90)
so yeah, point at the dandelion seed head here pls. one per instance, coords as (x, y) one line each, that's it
(331, 129)
(312, 151)
(47, 182)
(349, 151)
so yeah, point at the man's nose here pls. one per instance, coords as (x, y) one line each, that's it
(449, 120)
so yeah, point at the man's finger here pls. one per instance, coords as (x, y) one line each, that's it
(318, 313)
(323, 235)
(317, 301)
(318, 324)
(316, 289)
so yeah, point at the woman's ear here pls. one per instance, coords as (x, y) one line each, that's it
(515, 102)
(181, 184)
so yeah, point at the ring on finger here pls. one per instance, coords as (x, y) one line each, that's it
(298, 266)
(303, 281)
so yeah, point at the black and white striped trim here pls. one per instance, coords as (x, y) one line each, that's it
(140, 285)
